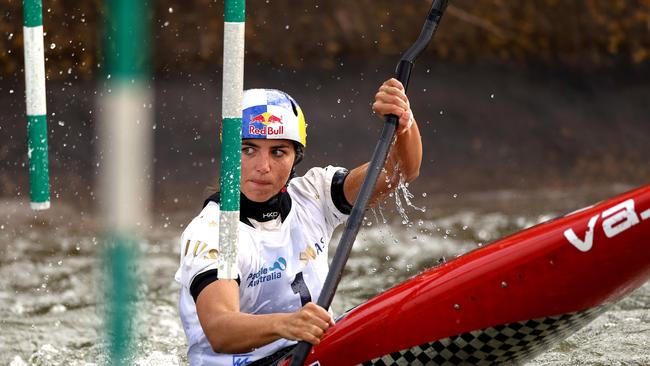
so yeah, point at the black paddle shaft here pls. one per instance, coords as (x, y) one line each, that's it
(377, 162)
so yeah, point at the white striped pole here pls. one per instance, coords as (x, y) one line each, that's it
(39, 184)
(231, 107)
(125, 139)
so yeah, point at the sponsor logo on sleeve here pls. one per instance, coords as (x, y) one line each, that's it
(199, 248)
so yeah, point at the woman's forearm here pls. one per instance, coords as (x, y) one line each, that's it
(405, 155)
(230, 331)
(236, 332)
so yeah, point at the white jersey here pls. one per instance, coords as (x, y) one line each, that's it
(280, 268)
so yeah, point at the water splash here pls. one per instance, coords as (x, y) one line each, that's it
(379, 209)
(402, 192)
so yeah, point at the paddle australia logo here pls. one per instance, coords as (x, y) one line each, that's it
(267, 274)
(615, 220)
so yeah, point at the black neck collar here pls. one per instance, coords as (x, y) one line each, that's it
(278, 205)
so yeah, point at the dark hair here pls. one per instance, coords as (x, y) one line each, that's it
(300, 153)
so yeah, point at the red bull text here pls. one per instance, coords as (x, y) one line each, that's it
(266, 130)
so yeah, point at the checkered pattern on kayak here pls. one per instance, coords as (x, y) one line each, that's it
(509, 343)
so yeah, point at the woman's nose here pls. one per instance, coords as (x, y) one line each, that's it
(262, 164)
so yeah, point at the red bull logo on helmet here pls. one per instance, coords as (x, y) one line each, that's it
(266, 119)
(269, 126)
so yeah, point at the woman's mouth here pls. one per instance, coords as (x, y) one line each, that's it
(260, 182)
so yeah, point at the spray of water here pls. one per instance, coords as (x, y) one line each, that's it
(402, 192)
(378, 209)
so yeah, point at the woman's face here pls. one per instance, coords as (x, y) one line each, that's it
(265, 167)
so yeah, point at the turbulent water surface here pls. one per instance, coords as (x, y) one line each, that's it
(52, 303)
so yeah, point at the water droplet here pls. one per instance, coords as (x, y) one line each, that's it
(457, 306)
(492, 96)
(388, 257)
(11, 91)
(61, 123)
(52, 46)
(286, 26)
(455, 195)
(504, 284)
(338, 101)
(424, 194)
(442, 112)
(170, 10)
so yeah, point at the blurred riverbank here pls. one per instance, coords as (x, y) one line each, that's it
(483, 128)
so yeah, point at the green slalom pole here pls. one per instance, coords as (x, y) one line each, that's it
(125, 145)
(233, 90)
(39, 182)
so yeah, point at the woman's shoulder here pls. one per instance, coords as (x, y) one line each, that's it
(315, 180)
(206, 222)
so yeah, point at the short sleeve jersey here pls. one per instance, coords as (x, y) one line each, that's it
(280, 269)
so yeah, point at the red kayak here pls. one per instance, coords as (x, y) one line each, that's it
(506, 302)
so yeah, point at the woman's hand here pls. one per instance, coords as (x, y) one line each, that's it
(405, 155)
(391, 99)
(307, 324)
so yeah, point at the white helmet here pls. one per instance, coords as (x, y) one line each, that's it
(272, 114)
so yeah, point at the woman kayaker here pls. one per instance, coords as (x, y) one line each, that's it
(285, 227)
